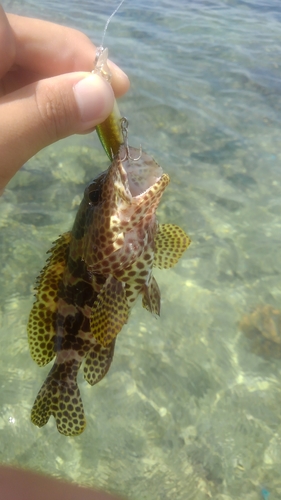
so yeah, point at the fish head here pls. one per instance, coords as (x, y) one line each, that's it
(121, 205)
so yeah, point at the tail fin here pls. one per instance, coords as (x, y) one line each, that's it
(60, 396)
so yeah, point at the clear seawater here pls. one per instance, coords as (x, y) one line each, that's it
(189, 409)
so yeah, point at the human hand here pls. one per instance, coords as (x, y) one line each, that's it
(46, 90)
(26, 485)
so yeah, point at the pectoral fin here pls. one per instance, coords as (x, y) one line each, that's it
(170, 243)
(151, 297)
(42, 319)
(110, 312)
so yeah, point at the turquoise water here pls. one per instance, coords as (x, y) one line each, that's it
(190, 408)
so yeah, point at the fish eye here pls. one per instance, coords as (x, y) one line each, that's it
(94, 196)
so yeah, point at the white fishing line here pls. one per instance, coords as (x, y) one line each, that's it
(108, 21)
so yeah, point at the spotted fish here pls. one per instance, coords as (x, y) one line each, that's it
(92, 279)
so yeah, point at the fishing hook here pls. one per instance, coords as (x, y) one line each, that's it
(124, 130)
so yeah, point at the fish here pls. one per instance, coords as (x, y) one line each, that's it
(92, 279)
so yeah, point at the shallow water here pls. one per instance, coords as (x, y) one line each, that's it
(190, 408)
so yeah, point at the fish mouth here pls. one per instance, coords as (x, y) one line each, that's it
(142, 172)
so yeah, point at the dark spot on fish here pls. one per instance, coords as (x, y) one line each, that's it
(131, 273)
(147, 257)
(109, 250)
(99, 255)
(143, 273)
(109, 235)
(112, 258)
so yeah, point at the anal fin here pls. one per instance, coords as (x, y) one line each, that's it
(152, 297)
(97, 362)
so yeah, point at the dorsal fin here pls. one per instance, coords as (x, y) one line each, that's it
(42, 319)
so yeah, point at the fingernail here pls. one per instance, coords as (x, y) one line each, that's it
(95, 98)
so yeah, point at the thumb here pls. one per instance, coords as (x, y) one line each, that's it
(48, 110)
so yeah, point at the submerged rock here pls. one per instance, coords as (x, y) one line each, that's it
(263, 327)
